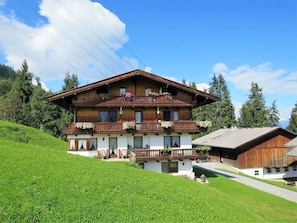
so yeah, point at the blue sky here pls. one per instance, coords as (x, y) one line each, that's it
(245, 40)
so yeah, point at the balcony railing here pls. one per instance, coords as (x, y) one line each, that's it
(122, 101)
(120, 127)
(174, 154)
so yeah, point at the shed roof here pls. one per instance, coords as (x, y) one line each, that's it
(292, 152)
(232, 138)
(292, 143)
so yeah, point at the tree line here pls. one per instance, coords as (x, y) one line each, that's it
(254, 112)
(26, 103)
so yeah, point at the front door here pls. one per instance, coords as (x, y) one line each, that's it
(113, 145)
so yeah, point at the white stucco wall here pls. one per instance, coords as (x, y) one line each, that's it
(184, 167)
(264, 174)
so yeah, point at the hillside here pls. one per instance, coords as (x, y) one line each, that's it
(40, 182)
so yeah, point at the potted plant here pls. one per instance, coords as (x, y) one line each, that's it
(166, 151)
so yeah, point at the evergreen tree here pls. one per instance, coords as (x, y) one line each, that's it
(70, 82)
(273, 114)
(253, 112)
(45, 116)
(293, 120)
(221, 113)
(10, 107)
(23, 84)
(7, 72)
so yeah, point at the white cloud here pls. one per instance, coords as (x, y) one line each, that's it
(81, 37)
(272, 81)
(43, 86)
(148, 69)
(202, 87)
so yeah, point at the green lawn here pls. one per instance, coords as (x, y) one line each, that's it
(40, 182)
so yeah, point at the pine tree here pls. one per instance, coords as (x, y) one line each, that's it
(221, 113)
(70, 82)
(23, 84)
(273, 115)
(253, 112)
(293, 120)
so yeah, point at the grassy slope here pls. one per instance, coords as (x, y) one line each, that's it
(39, 181)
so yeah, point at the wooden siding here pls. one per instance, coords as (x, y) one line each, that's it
(269, 153)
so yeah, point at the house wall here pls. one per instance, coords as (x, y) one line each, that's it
(184, 167)
(274, 173)
(154, 141)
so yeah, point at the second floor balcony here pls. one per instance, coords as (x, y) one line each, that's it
(122, 127)
(124, 101)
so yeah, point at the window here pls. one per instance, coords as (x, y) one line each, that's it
(169, 167)
(170, 116)
(112, 116)
(256, 172)
(72, 144)
(294, 168)
(122, 91)
(166, 115)
(171, 141)
(148, 91)
(286, 169)
(138, 117)
(82, 144)
(175, 116)
(277, 169)
(105, 116)
(268, 170)
(93, 144)
(138, 142)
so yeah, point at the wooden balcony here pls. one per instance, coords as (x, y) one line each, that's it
(118, 127)
(157, 155)
(121, 101)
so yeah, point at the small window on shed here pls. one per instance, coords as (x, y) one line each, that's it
(294, 168)
(277, 169)
(256, 172)
(268, 170)
(286, 169)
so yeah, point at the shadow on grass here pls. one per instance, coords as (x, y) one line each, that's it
(208, 173)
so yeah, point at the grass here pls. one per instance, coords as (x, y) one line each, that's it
(40, 182)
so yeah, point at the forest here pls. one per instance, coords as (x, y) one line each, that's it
(24, 101)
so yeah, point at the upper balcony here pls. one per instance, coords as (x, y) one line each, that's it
(129, 100)
(121, 127)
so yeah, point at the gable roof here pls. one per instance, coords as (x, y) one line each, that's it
(292, 144)
(202, 97)
(233, 138)
(292, 152)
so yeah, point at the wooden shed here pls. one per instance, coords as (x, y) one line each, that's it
(256, 151)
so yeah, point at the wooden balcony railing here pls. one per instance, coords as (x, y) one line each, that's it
(174, 154)
(118, 127)
(122, 101)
